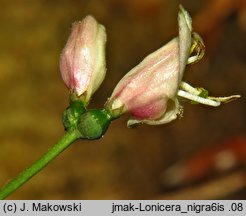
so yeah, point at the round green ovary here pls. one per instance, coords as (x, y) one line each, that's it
(94, 123)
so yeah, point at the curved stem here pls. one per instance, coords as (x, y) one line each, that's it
(67, 139)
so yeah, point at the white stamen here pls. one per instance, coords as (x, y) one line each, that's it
(188, 88)
(198, 99)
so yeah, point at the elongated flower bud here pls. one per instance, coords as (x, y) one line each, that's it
(82, 61)
(148, 92)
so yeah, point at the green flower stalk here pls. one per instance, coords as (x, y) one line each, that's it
(82, 65)
(150, 92)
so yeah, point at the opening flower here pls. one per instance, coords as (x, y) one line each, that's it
(149, 91)
(82, 62)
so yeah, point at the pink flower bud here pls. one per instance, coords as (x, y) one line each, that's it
(82, 61)
(148, 92)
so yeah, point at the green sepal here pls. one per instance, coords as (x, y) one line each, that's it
(72, 114)
(94, 123)
(75, 97)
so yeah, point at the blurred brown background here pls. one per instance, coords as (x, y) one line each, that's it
(201, 156)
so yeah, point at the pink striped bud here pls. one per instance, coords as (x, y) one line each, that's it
(149, 91)
(82, 61)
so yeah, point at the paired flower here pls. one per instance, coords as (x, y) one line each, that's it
(149, 92)
(82, 61)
